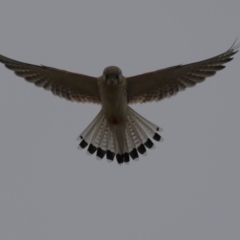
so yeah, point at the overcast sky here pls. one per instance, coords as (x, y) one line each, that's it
(186, 188)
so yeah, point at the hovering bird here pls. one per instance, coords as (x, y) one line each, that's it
(118, 130)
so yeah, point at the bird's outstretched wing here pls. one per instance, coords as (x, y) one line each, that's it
(154, 86)
(72, 86)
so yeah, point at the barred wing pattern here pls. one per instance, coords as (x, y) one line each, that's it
(71, 86)
(154, 86)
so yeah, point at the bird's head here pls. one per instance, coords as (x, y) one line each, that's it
(112, 75)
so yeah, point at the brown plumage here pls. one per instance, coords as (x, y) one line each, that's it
(118, 130)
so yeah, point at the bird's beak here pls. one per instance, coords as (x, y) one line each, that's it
(112, 81)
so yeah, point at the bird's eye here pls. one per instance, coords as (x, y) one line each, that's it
(117, 76)
(106, 76)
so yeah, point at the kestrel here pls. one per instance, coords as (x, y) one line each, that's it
(118, 130)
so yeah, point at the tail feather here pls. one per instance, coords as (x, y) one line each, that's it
(97, 132)
(112, 147)
(131, 143)
(140, 131)
(151, 128)
(115, 142)
(100, 139)
(134, 133)
(87, 134)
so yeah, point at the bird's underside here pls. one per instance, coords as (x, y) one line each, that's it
(118, 130)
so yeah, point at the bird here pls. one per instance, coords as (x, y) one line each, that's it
(118, 131)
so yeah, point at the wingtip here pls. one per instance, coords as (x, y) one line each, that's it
(235, 46)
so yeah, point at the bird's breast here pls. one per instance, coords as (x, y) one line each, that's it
(114, 102)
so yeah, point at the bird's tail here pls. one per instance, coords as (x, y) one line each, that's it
(133, 138)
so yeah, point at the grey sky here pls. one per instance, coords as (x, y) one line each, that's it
(187, 188)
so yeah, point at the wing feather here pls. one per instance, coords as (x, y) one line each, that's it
(154, 86)
(71, 86)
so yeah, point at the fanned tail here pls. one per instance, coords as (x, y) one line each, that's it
(122, 144)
